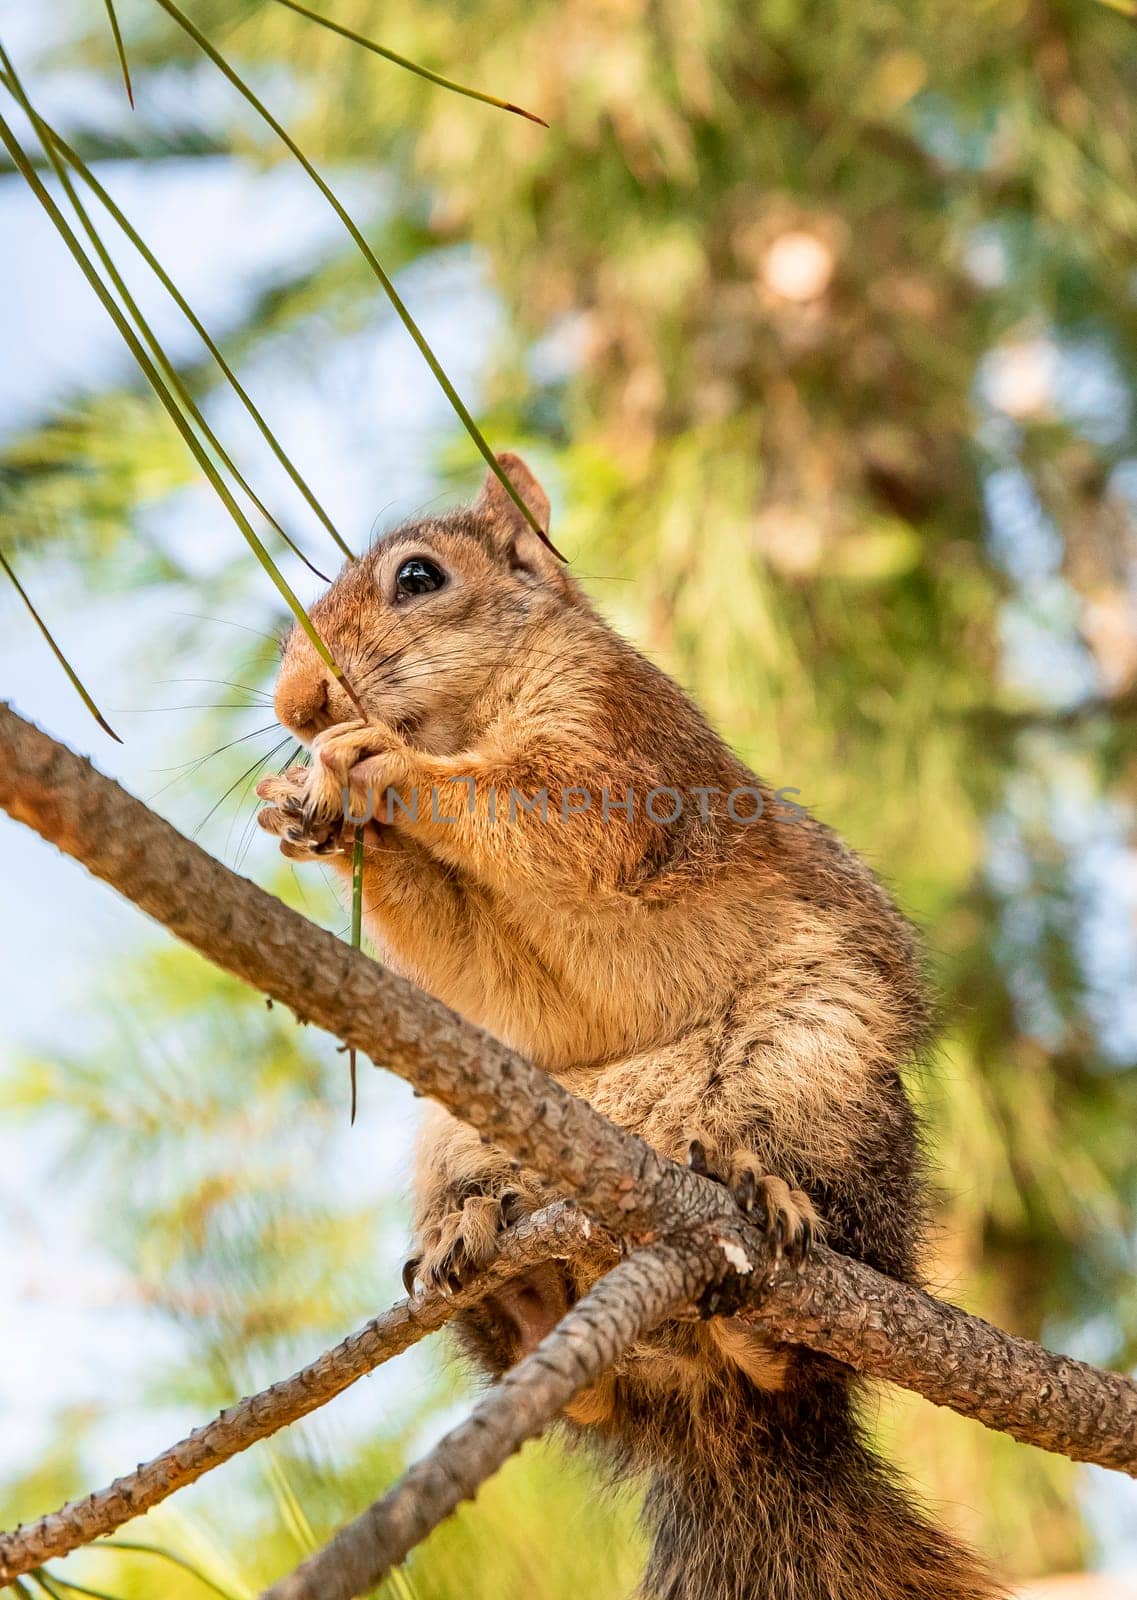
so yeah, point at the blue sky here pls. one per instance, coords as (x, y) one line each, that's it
(365, 422)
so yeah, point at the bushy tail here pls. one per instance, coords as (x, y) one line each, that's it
(773, 1496)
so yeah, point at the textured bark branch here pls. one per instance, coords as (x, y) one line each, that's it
(558, 1231)
(628, 1302)
(886, 1330)
(837, 1305)
(620, 1180)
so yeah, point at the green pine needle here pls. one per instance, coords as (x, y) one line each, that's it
(411, 66)
(161, 389)
(48, 1580)
(288, 1503)
(171, 288)
(171, 374)
(166, 1555)
(121, 48)
(76, 681)
(368, 255)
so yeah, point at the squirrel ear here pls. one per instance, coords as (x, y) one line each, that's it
(525, 548)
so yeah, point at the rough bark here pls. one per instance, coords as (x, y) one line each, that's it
(558, 1231)
(628, 1302)
(620, 1180)
(836, 1305)
(886, 1330)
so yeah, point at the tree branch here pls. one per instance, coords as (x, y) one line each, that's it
(620, 1180)
(559, 1231)
(837, 1305)
(624, 1305)
(884, 1329)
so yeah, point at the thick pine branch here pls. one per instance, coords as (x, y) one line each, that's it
(837, 1305)
(620, 1180)
(885, 1329)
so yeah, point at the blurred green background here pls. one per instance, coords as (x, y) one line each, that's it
(820, 323)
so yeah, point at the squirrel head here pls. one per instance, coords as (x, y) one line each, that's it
(425, 621)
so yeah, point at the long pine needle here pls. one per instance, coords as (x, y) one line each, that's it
(161, 389)
(397, 302)
(173, 377)
(76, 682)
(183, 305)
(167, 1555)
(411, 66)
(289, 1505)
(47, 1582)
(124, 64)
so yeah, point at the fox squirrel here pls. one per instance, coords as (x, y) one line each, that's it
(723, 977)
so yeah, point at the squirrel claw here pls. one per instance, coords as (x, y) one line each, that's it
(808, 1234)
(457, 1247)
(510, 1209)
(745, 1192)
(310, 819)
(302, 830)
(786, 1216)
(697, 1159)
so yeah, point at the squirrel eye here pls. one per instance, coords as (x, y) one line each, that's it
(418, 576)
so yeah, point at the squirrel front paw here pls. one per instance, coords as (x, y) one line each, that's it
(314, 810)
(456, 1249)
(787, 1216)
(353, 765)
(302, 835)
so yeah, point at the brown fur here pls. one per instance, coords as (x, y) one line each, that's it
(751, 988)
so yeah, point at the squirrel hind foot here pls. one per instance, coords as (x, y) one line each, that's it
(457, 1247)
(787, 1216)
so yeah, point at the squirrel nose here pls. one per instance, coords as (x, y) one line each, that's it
(301, 701)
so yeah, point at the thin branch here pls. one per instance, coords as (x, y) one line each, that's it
(887, 1330)
(559, 1231)
(627, 1303)
(838, 1306)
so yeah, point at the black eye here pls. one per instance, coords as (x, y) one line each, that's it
(418, 576)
